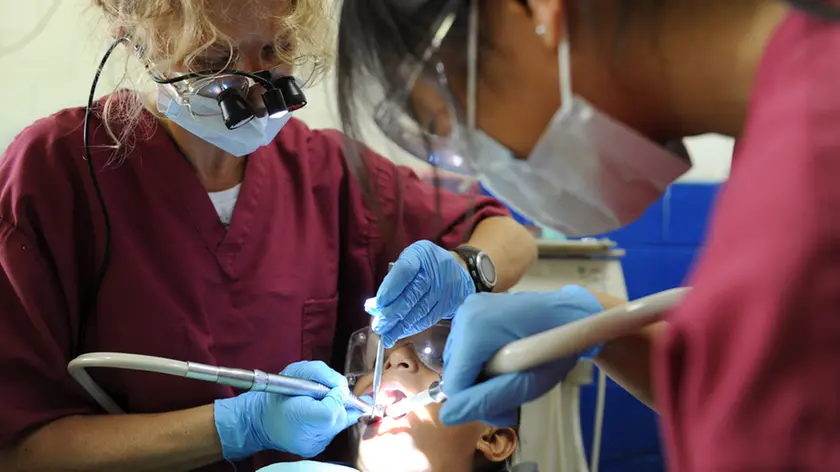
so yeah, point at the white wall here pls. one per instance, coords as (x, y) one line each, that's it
(55, 70)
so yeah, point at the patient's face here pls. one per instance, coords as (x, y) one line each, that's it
(419, 442)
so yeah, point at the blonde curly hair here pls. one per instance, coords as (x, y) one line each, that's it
(166, 33)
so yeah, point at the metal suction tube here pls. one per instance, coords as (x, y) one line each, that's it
(243, 379)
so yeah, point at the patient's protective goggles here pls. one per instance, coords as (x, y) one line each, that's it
(224, 93)
(428, 347)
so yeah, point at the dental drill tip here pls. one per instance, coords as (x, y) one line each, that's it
(377, 414)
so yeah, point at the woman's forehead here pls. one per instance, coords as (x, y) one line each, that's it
(250, 20)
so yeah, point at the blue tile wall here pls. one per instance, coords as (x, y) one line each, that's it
(661, 247)
(689, 208)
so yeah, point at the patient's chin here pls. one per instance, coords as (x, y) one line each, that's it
(395, 451)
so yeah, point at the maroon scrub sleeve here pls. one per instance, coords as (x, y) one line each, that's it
(411, 209)
(748, 374)
(35, 342)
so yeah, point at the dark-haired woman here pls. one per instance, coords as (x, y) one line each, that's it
(566, 110)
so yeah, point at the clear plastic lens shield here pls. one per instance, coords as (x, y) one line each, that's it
(428, 347)
(422, 114)
(588, 174)
(425, 120)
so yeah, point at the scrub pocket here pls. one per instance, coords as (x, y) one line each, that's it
(318, 323)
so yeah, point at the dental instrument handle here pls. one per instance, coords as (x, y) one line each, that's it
(573, 338)
(241, 379)
(293, 386)
(259, 381)
(379, 410)
(377, 377)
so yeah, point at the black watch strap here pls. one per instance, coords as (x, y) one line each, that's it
(480, 267)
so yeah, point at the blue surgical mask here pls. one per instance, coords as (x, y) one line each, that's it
(241, 141)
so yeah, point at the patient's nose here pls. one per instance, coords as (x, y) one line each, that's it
(402, 359)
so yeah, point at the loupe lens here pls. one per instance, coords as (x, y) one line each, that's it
(275, 105)
(235, 110)
(295, 99)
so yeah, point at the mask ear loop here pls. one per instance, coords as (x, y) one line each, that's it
(564, 59)
(472, 75)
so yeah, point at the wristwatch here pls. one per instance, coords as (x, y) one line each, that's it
(481, 268)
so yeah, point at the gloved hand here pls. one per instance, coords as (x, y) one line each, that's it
(487, 322)
(426, 284)
(305, 466)
(258, 421)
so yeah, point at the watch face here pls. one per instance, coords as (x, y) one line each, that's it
(487, 270)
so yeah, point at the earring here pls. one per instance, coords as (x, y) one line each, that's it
(540, 30)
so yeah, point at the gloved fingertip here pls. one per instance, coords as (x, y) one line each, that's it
(372, 307)
(341, 392)
(367, 399)
(388, 341)
(400, 275)
(582, 298)
(353, 417)
(451, 416)
(592, 352)
(378, 323)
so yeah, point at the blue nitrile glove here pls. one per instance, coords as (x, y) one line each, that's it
(426, 285)
(306, 466)
(487, 322)
(258, 421)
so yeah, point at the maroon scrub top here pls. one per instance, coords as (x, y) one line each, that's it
(748, 377)
(285, 282)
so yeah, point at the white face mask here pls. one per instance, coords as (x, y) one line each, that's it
(240, 141)
(588, 173)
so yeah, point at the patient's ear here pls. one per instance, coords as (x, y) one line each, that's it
(498, 444)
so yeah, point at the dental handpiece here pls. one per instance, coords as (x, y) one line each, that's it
(259, 381)
(243, 379)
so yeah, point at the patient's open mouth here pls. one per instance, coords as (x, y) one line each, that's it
(391, 396)
(389, 393)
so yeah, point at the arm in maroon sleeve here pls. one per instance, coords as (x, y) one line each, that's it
(47, 422)
(748, 376)
(412, 209)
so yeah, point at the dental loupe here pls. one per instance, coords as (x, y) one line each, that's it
(228, 88)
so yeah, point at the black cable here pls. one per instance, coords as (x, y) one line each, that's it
(87, 307)
(817, 8)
